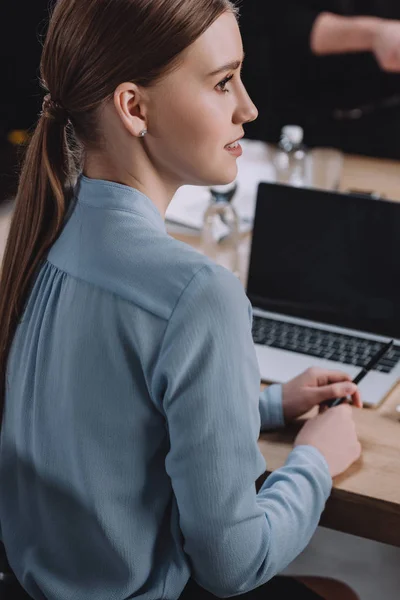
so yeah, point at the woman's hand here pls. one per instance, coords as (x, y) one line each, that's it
(301, 394)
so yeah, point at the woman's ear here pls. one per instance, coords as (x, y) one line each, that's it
(129, 103)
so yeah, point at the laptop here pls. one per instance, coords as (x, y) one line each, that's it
(324, 283)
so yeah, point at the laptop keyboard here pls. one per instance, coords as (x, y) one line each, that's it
(322, 344)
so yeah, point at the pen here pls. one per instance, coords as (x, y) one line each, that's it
(368, 367)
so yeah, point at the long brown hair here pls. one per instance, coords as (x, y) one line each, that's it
(91, 47)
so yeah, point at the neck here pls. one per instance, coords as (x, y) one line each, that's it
(142, 177)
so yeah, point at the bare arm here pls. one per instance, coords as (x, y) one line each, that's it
(335, 34)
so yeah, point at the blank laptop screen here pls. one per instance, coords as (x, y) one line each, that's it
(327, 257)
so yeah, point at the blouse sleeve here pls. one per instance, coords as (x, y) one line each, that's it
(207, 381)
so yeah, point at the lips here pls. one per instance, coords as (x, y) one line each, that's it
(234, 144)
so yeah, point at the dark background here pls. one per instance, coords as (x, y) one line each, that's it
(23, 24)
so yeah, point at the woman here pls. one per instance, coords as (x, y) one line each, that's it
(129, 438)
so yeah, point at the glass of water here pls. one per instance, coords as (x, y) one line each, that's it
(326, 168)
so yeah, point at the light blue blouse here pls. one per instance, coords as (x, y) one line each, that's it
(129, 453)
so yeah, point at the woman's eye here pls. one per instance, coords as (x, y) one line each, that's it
(222, 84)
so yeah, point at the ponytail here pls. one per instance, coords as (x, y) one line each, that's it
(89, 51)
(42, 201)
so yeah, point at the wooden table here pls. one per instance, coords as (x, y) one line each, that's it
(365, 500)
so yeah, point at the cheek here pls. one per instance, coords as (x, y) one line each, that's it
(189, 137)
(198, 145)
(194, 121)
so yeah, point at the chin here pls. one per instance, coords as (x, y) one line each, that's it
(213, 174)
(224, 176)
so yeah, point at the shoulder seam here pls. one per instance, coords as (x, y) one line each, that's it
(176, 305)
(185, 288)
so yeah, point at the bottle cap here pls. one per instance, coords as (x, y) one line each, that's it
(223, 193)
(294, 133)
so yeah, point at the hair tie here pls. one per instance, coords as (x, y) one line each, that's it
(52, 109)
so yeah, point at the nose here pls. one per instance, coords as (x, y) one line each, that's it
(246, 111)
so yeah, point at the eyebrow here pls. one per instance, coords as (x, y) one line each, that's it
(232, 66)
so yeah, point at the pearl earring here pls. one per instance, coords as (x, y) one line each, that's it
(143, 133)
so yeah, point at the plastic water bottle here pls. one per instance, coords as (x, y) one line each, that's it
(220, 233)
(291, 162)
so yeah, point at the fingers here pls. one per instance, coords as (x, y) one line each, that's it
(336, 390)
(335, 384)
(356, 399)
(337, 377)
(326, 376)
(347, 390)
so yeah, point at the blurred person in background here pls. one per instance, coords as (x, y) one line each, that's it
(331, 66)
